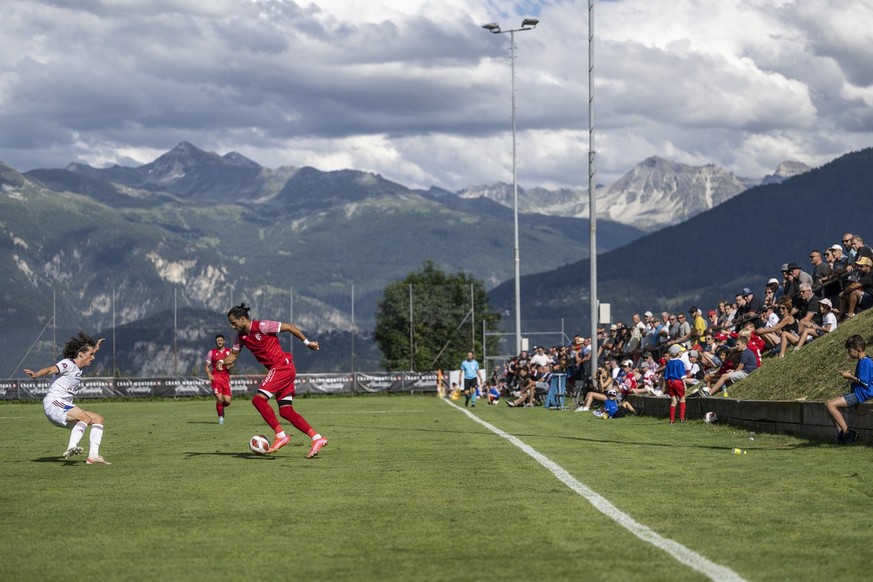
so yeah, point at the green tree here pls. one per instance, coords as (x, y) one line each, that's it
(447, 315)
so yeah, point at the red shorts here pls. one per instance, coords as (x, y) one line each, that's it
(676, 388)
(279, 382)
(221, 384)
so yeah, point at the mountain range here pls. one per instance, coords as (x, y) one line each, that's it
(740, 243)
(137, 251)
(104, 248)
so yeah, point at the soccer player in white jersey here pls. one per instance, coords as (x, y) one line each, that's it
(79, 352)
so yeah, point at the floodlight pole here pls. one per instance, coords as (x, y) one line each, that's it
(592, 198)
(494, 28)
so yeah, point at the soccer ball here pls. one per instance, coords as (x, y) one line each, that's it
(710, 417)
(259, 444)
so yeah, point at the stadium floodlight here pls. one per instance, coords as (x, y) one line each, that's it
(494, 28)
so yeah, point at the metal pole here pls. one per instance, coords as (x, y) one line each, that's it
(472, 319)
(291, 318)
(411, 352)
(175, 334)
(114, 365)
(54, 326)
(592, 198)
(517, 257)
(354, 376)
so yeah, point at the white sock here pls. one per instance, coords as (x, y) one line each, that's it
(316, 437)
(96, 437)
(76, 434)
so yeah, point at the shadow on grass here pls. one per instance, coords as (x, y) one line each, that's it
(192, 454)
(59, 460)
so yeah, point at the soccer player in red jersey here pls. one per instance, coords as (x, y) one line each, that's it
(220, 379)
(261, 338)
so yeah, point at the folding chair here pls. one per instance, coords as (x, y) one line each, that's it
(557, 392)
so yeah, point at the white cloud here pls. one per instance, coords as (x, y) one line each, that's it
(417, 91)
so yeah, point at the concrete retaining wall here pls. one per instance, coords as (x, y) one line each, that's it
(802, 419)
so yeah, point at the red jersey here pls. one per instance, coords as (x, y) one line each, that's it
(263, 341)
(212, 358)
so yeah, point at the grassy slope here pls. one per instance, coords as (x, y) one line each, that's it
(812, 372)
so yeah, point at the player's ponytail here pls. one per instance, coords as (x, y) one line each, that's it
(239, 311)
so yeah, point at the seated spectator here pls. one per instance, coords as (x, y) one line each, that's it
(861, 250)
(832, 285)
(629, 383)
(858, 294)
(820, 269)
(693, 371)
(614, 407)
(525, 389)
(684, 332)
(772, 292)
(806, 311)
(540, 358)
(828, 324)
(708, 357)
(649, 379)
(772, 335)
(747, 365)
(494, 394)
(794, 277)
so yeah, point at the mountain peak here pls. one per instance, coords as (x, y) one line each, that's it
(785, 170)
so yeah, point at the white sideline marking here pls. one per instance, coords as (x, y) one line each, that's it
(684, 555)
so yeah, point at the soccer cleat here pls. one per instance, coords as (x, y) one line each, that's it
(583, 409)
(278, 443)
(98, 460)
(73, 451)
(317, 445)
(220, 420)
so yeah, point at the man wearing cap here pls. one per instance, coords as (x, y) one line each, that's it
(833, 283)
(698, 324)
(858, 294)
(749, 307)
(772, 291)
(794, 277)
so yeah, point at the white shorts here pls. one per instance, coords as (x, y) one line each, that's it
(56, 411)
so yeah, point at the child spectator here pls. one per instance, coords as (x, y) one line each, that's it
(612, 407)
(861, 388)
(674, 373)
(748, 364)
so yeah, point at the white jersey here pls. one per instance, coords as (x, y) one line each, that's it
(66, 384)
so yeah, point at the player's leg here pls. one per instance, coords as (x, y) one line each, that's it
(95, 437)
(286, 411)
(833, 407)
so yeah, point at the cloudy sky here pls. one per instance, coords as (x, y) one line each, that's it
(417, 91)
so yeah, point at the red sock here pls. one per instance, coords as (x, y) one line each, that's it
(288, 412)
(219, 408)
(672, 413)
(681, 411)
(263, 406)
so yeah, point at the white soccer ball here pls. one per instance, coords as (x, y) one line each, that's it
(259, 444)
(710, 417)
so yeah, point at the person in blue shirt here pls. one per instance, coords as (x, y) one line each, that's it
(613, 408)
(861, 388)
(470, 374)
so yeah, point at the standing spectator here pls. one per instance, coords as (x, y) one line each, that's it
(79, 352)
(698, 324)
(820, 269)
(861, 388)
(470, 374)
(219, 379)
(674, 375)
(262, 340)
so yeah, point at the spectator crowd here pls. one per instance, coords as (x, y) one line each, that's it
(701, 352)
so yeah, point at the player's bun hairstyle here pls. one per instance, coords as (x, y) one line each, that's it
(78, 344)
(241, 310)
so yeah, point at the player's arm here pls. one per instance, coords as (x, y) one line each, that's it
(44, 372)
(295, 331)
(208, 367)
(228, 360)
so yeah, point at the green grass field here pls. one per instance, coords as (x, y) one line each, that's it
(411, 488)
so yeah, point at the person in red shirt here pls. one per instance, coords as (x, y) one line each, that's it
(261, 338)
(219, 379)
